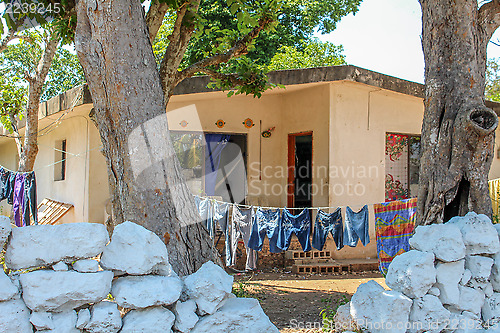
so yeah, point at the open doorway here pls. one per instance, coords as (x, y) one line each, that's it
(300, 170)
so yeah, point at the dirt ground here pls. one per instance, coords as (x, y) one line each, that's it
(294, 302)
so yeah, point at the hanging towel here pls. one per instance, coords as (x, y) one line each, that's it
(394, 224)
(265, 223)
(242, 227)
(356, 227)
(18, 204)
(328, 223)
(299, 224)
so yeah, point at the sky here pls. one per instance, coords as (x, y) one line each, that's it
(384, 36)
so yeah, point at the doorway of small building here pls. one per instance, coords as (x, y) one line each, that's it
(231, 182)
(300, 170)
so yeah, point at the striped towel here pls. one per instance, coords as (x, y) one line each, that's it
(394, 224)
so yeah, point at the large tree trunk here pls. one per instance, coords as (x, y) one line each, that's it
(145, 181)
(458, 130)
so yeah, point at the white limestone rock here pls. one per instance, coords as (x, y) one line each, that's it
(464, 323)
(151, 320)
(242, 315)
(466, 277)
(134, 249)
(343, 320)
(54, 243)
(15, 317)
(444, 240)
(491, 309)
(64, 322)
(412, 273)
(42, 320)
(86, 266)
(83, 318)
(428, 315)
(434, 291)
(471, 300)
(208, 287)
(495, 273)
(5, 229)
(7, 289)
(60, 267)
(46, 290)
(185, 316)
(448, 276)
(138, 292)
(480, 267)
(105, 318)
(488, 290)
(378, 310)
(479, 234)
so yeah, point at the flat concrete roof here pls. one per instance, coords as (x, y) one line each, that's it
(198, 84)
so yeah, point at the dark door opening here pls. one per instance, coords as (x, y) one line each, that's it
(300, 170)
(231, 182)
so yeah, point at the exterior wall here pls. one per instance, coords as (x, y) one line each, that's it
(360, 116)
(75, 128)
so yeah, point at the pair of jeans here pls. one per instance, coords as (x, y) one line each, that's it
(4, 183)
(242, 227)
(266, 222)
(328, 223)
(356, 227)
(221, 217)
(300, 225)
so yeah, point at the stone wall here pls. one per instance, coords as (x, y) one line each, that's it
(448, 282)
(71, 278)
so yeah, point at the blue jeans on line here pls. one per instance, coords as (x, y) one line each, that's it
(300, 225)
(328, 223)
(265, 223)
(356, 227)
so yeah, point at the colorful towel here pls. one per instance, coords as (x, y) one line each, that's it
(394, 224)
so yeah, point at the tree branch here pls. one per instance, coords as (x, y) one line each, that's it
(240, 48)
(154, 17)
(489, 17)
(7, 39)
(178, 42)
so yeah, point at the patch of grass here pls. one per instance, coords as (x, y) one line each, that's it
(330, 310)
(240, 289)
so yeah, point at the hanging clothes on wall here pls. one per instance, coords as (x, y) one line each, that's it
(356, 227)
(206, 210)
(215, 143)
(394, 224)
(19, 188)
(328, 223)
(266, 222)
(299, 224)
(242, 227)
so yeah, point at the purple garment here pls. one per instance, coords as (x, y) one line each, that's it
(19, 199)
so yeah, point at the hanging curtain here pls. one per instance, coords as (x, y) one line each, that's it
(215, 143)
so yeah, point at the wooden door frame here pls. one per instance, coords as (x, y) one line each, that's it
(291, 165)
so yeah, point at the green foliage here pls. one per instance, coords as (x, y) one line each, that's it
(492, 91)
(240, 289)
(188, 149)
(12, 101)
(313, 53)
(330, 310)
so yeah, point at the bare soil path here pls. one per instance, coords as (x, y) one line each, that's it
(294, 302)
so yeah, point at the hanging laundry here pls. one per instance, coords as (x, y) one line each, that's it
(221, 217)
(394, 224)
(30, 201)
(242, 227)
(356, 227)
(10, 188)
(18, 205)
(4, 183)
(265, 223)
(299, 224)
(206, 210)
(328, 223)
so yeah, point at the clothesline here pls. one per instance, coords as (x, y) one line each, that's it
(269, 207)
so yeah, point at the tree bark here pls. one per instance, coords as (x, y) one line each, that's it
(146, 184)
(458, 131)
